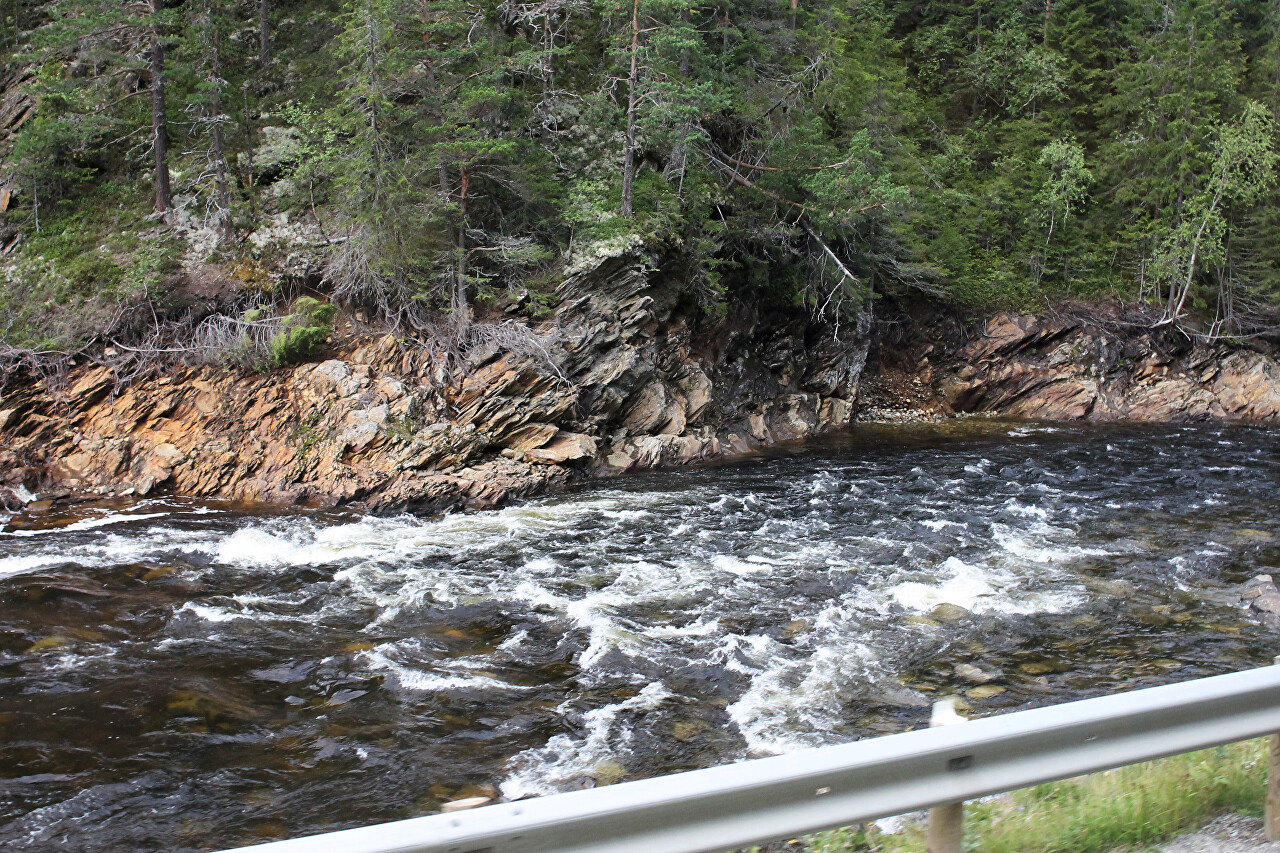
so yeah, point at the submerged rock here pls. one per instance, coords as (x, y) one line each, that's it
(985, 691)
(948, 612)
(974, 675)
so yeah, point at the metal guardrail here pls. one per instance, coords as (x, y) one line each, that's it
(771, 798)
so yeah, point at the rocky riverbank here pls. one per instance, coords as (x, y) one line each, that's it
(1067, 369)
(633, 376)
(1064, 368)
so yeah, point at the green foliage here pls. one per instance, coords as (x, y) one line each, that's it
(997, 154)
(1066, 182)
(263, 340)
(306, 437)
(1242, 170)
(50, 154)
(302, 331)
(83, 274)
(1012, 72)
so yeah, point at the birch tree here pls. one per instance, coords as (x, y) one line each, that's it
(1243, 169)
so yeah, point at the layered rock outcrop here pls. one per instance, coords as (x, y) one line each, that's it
(634, 377)
(631, 376)
(1070, 369)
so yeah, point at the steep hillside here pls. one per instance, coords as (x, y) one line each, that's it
(413, 161)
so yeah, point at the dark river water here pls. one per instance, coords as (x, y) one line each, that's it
(189, 676)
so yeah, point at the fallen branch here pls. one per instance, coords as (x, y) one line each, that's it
(830, 254)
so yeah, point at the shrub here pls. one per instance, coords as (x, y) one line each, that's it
(302, 331)
(263, 340)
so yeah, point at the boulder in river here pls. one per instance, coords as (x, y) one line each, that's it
(946, 612)
(1261, 596)
(975, 675)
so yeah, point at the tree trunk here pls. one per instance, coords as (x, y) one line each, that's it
(159, 117)
(633, 80)
(264, 33)
(795, 8)
(461, 310)
(225, 228)
(248, 157)
(436, 109)
(375, 142)
(548, 54)
(684, 51)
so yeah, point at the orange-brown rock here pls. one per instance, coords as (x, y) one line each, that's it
(1064, 369)
(636, 378)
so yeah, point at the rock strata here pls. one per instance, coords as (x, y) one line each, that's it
(636, 378)
(1068, 369)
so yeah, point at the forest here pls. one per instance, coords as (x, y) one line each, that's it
(437, 156)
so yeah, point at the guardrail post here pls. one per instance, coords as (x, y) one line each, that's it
(946, 823)
(1272, 820)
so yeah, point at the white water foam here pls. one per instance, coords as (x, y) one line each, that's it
(85, 524)
(410, 678)
(730, 563)
(795, 704)
(986, 589)
(800, 607)
(600, 753)
(1024, 431)
(217, 613)
(968, 587)
(1034, 545)
(113, 549)
(18, 565)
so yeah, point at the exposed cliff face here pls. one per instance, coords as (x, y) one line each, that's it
(637, 378)
(640, 379)
(1067, 369)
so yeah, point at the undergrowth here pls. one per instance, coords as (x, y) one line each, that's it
(80, 275)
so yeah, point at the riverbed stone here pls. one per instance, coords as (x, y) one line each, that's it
(1267, 602)
(1038, 668)
(948, 612)
(974, 675)
(1261, 599)
(984, 691)
(686, 730)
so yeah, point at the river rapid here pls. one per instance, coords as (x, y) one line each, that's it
(190, 676)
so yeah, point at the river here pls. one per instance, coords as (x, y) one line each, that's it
(187, 676)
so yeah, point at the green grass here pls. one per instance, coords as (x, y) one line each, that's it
(1133, 806)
